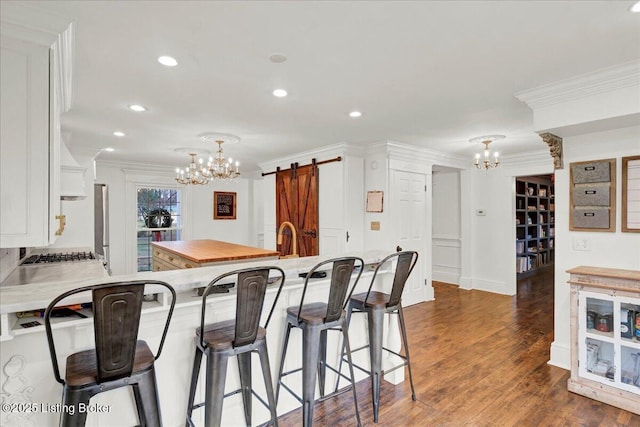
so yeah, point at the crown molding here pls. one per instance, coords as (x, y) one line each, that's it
(605, 80)
(405, 152)
(30, 23)
(319, 154)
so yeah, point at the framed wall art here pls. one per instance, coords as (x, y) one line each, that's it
(631, 194)
(374, 201)
(224, 205)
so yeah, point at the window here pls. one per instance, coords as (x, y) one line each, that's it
(159, 219)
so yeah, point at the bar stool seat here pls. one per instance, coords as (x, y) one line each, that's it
(315, 319)
(119, 358)
(82, 367)
(239, 337)
(221, 335)
(375, 305)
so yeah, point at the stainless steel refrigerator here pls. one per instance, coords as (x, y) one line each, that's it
(101, 221)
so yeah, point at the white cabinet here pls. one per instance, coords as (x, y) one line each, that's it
(605, 335)
(33, 67)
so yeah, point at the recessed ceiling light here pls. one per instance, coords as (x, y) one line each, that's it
(636, 7)
(118, 133)
(167, 61)
(355, 114)
(280, 93)
(138, 108)
(277, 58)
(109, 149)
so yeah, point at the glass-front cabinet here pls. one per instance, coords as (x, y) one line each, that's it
(605, 320)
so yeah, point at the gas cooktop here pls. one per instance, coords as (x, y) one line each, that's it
(58, 257)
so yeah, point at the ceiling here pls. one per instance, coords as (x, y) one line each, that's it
(430, 74)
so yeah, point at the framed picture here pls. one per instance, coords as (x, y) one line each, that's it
(631, 194)
(224, 205)
(374, 201)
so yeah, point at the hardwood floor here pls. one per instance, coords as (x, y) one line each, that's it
(478, 359)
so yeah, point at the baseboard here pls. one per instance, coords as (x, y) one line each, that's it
(443, 276)
(560, 356)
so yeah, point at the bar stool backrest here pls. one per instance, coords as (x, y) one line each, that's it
(116, 318)
(406, 261)
(340, 279)
(251, 286)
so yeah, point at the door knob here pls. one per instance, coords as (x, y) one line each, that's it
(398, 249)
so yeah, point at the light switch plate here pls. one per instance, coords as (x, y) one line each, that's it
(581, 244)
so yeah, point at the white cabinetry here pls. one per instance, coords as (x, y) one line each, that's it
(605, 357)
(34, 92)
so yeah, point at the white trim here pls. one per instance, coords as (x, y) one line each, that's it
(601, 81)
(560, 356)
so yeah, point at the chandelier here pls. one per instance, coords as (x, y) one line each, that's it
(217, 168)
(486, 162)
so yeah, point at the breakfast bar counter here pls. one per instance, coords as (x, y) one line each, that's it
(26, 375)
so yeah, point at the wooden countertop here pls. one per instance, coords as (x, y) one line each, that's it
(205, 251)
(615, 273)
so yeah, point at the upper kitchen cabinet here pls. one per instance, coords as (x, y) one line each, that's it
(36, 53)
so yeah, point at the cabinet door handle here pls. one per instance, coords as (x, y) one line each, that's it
(62, 221)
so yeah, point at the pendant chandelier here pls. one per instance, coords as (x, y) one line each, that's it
(487, 161)
(216, 168)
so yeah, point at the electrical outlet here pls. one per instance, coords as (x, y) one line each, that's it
(581, 244)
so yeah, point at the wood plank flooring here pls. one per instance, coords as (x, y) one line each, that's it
(478, 359)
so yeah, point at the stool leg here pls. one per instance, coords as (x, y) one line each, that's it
(345, 335)
(244, 366)
(375, 318)
(268, 382)
(285, 344)
(145, 393)
(71, 399)
(214, 395)
(322, 361)
(310, 346)
(403, 330)
(348, 320)
(195, 372)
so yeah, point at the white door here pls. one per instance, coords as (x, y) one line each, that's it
(408, 213)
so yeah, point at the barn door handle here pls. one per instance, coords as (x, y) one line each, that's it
(311, 233)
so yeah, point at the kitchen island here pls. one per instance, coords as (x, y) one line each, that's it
(200, 253)
(27, 376)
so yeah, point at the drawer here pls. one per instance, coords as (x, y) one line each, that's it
(176, 260)
(591, 218)
(159, 265)
(591, 172)
(591, 195)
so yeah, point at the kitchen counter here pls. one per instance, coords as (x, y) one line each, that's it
(27, 347)
(47, 273)
(198, 253)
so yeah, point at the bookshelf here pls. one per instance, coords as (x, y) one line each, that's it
(535, 223)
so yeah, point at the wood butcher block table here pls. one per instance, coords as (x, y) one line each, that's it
(201, 253)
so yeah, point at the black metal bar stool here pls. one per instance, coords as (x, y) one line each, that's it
(315, 319)
(119, 359)
(376, 304)
(237, 337)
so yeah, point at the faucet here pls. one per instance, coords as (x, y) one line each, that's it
(294, 238)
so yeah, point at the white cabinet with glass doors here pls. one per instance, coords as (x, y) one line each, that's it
(605, 331)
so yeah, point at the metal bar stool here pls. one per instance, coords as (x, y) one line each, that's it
(376, 304)
(119, 359)
(315, 319)
(237, 337)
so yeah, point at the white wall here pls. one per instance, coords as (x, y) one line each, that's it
(612, 250)
(446, 241)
